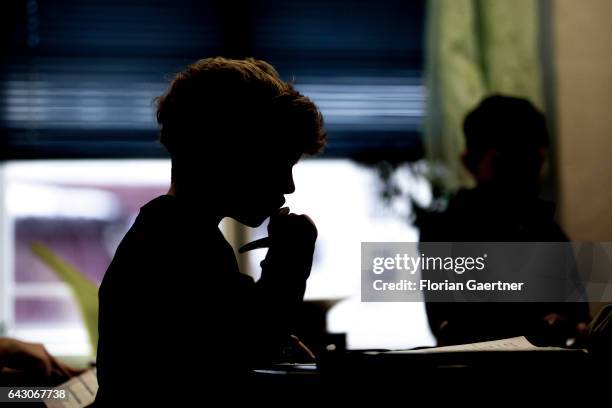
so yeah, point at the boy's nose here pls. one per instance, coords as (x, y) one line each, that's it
(290, 185)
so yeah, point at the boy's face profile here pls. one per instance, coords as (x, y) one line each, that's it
(260, 190)
(249, 186)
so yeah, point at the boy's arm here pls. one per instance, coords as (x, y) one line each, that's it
(280, 290)
(289, 260)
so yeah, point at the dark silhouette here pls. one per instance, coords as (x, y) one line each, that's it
(506, 143)
(178, 321)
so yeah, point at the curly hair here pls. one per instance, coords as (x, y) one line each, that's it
(221, 105)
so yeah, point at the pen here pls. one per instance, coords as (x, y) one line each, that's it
(301, 346)
(259, 243)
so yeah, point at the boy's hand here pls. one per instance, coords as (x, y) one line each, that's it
(33, 361)
(291, 239)
(301, 229)
(298, 232)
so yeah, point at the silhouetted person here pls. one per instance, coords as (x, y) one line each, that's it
(178, 321)
(506, 142)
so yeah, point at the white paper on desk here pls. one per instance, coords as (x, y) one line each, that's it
(512, 344)
(81, 389)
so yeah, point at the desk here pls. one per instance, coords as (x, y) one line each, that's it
(384, 380)
(392, 380)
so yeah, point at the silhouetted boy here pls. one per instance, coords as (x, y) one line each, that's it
(177, 318)
(506, 142)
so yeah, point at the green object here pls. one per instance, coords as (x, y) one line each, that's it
(84, 290)
(475, 48)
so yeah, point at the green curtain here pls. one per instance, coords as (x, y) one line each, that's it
(474, 48)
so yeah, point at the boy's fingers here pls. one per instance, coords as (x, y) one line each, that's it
(283, 211)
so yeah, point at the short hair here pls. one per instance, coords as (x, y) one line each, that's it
(222, 105)
(506, 124)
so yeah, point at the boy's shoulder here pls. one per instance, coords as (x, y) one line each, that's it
(163, 231)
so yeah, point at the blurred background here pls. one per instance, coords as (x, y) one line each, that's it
(393, 79)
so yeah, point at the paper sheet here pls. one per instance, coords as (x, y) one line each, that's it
(81, 389)
(512, 344)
